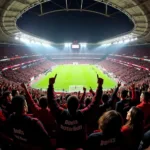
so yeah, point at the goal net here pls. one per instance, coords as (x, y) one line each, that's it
(76, 88)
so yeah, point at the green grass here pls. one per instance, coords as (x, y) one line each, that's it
(75, 75)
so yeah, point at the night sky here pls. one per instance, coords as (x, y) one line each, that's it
(74, 26)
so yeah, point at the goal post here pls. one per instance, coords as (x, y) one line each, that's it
(76, 88)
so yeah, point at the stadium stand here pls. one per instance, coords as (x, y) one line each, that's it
(134, 51)
(116, 118)
(28, 72)
(6, 52)
(121, 71)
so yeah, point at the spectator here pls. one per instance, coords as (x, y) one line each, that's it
(145, 143)
(6, 104)
(23, 128)
(105, 106)
(133, 129)
(88, 100)
(15, 93)
(123, 105)
(145, 107)
(71, 122)
(43, 113)
(110, 136)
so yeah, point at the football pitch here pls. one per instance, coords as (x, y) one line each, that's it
(74, 78)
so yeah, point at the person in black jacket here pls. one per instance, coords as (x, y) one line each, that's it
(72, 121)
(123, 105)
(24, 129)
(109, 137)
(145, 143)
(6, 104)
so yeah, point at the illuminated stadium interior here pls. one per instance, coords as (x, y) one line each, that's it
(74, 74)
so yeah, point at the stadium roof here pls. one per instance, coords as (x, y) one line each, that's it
(137, 10)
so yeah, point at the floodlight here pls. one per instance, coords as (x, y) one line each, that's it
(103, 45)
(67, 44)
(17, 38)
(133, 39)
(108, 44)
(26, 41)
(37, 42)
(32, 41)
(120, 42)
(83, 44)
(46, 44)
(115, 42)
(22, 39)
(127, 40)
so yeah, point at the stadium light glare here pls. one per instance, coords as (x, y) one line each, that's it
(108, 44)
(22, 39)
(32, 41)
(46, 44)
(37, 42)
(67, 44)
(26, 40)
(83, 44)
(127, 41)
(120, 42)
(17, 38)
(115, 43)
(103, 45)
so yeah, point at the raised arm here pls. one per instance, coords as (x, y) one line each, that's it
(53, 105)
(30, 101)
(82, 98)
(95, 102)
(91, 91)
(114, 95)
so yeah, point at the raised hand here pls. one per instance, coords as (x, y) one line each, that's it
(119, 84)
(23, 85)
(52, 80)
(99, 80)
(111, 90)
(84, 89)
(90, 90)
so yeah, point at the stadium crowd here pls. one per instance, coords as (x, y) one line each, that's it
(126, 74)
(115, 119)
(25, 75)
(12, 62)
(140, 62)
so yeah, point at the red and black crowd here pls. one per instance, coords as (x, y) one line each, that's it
(116, 119)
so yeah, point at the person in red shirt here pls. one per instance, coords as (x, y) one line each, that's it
(72, 121)
(145, 107)
(133, 129)
(42, 112)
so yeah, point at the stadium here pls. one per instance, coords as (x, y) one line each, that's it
(75, 74)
